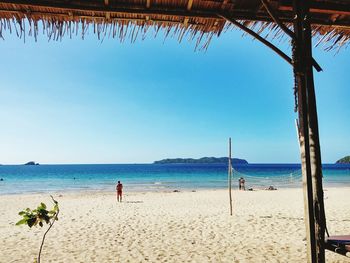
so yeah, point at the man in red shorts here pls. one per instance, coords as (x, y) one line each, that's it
(119, 189)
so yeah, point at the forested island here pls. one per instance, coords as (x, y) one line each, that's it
(31, 163)
(201, 160)
(346, 159)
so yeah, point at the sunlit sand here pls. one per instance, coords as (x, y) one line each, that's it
(267, 226)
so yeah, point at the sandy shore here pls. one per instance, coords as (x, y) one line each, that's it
(267, 226)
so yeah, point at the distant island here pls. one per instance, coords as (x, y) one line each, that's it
(201, 160)
(346, 159)
(31, 163)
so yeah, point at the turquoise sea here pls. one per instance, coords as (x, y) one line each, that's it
(156, 177)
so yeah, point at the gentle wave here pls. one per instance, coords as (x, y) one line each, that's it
(150, 177)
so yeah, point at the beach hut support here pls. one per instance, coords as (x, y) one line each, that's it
(258, 37)
(303, 64)
(230, 175)
(308, 133)
(285, 29)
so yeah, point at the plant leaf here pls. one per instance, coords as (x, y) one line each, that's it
(31, 222)
(21, 222)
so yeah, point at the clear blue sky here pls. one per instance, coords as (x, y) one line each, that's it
(90, 102)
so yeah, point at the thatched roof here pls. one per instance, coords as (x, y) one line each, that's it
(196, 19)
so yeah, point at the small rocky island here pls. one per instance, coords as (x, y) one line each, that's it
(31, 163)
(204, 160)
(346, 159)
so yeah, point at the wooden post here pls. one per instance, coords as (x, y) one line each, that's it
(298, 130)
(230, 175)
(315, 158)
(308, 134)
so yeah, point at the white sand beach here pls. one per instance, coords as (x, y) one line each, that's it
(267, 226)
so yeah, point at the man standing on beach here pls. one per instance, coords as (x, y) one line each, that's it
(119, 189)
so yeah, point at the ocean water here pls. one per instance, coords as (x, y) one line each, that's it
(153, 177)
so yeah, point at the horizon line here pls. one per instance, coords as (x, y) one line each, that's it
(141, 163)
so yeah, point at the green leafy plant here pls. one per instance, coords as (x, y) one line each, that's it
(39, 216)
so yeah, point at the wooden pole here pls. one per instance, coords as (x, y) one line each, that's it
(230, 175)
(298, 130)
(258, 37)
(315, 157)
(307, 186)
(300, 85)
(286, 30)
(308, 134)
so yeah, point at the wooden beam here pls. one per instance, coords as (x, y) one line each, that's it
(229, 175)
(224, 4)
(186, 21)
(298, 130)
(189, 5)
(260, 38)
(102, 18)
(275, 18)
(115, 8)
(112, 8)
(300, 85)
(289, 32)
(304, 152)
(323, 9)
(309, 138)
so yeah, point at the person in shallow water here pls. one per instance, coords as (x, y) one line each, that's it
(241, 184)
(119, 189)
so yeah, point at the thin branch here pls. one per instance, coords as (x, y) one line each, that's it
(42, 242)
